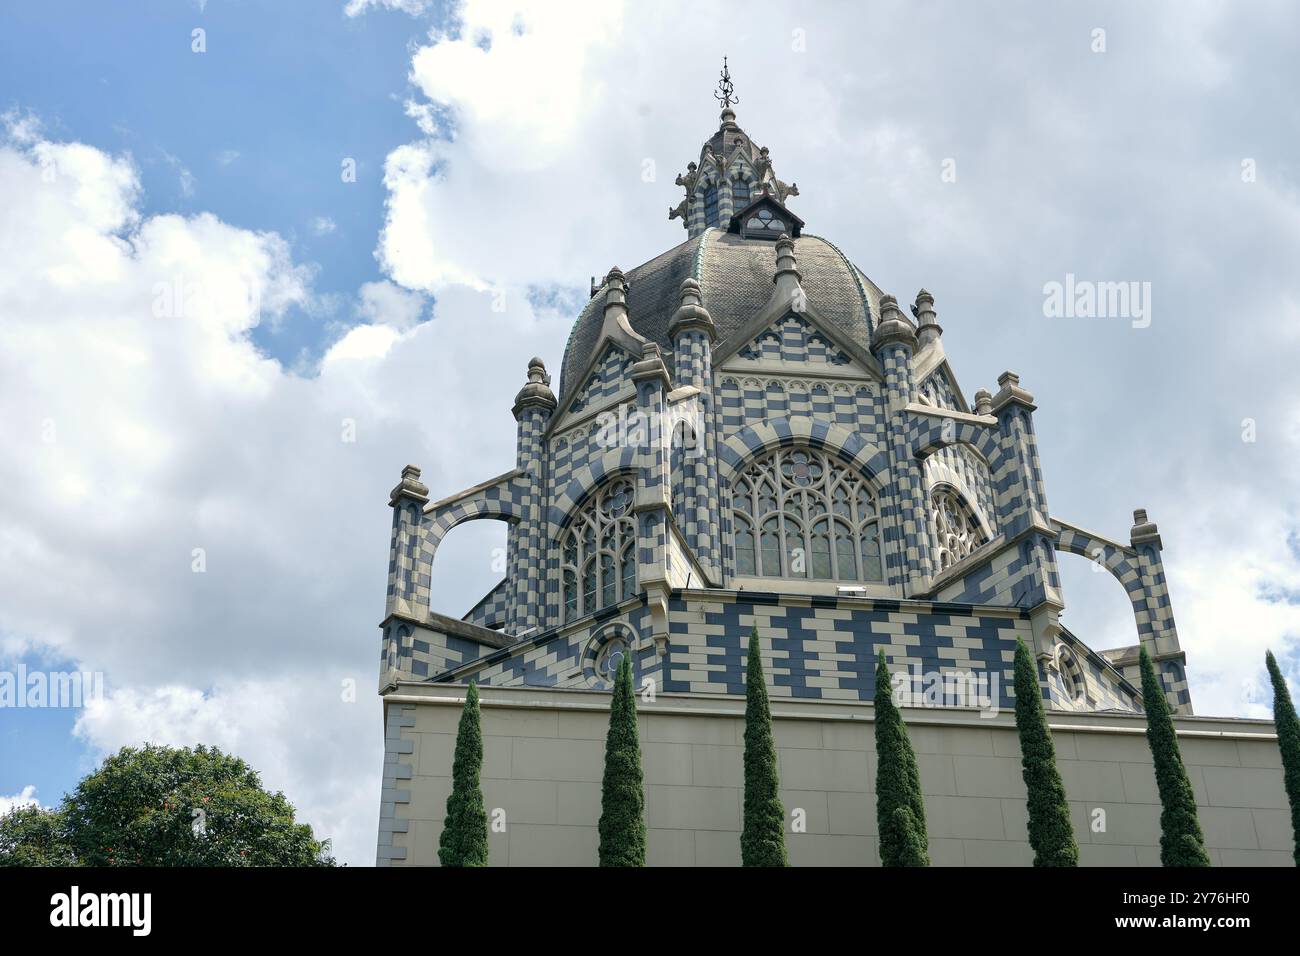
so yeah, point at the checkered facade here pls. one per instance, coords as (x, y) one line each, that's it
(679, 412)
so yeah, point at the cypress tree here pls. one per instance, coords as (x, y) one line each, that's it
(464, 831)
(1181, 842)
(1288, 741)
(622, 800)
(762, 841)
(903, 839)
(1050, 833)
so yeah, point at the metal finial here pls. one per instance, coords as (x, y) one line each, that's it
(726, 94)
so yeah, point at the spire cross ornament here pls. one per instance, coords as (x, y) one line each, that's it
(726, 94)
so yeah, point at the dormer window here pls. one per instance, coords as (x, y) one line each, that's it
(764, 224)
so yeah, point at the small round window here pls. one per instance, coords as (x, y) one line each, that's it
(609, 657)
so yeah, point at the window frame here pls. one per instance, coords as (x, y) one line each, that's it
(772, 503)
(597, 548)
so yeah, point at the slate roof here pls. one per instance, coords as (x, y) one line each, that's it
(735, 276)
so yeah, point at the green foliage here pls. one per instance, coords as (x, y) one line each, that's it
(166, 806)
(464, 831)
(1288, 741)
(1050, 833)
(622, 800)
(762, 841)
(903, 838)
(33, 836)
(1181, 842)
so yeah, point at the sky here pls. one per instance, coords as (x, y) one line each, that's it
(246, 275)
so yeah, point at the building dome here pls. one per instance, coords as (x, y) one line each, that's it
(735, 276)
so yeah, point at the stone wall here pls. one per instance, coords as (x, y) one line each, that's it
(543, 761)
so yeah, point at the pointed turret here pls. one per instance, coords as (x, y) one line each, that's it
(928, 328)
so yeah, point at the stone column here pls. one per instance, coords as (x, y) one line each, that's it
(408, 581)
(693, 334)
(653, 503)
(907, 534)
(1022, 505)
(526, 555)
(1155, 623)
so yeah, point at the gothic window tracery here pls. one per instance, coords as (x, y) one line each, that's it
(956, 531)
(799, 513)
(598, 552)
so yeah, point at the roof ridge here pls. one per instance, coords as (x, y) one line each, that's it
(853, 270)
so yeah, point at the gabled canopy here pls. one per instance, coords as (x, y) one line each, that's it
(765, 218)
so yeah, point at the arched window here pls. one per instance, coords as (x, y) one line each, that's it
(739, 194)
(711, 206)
(956, 532)
(598, 552)
(799, 513)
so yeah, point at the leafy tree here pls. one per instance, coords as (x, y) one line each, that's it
(762, 841)
(34, 836)
(1181, 842)
(622, 799)
(1288, 741)
(1050, 833)
(903, 838)
(170, 806)
(464, 831)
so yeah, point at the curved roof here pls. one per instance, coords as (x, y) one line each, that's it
(735, 276)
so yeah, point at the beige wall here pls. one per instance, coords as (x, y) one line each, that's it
(543, 761)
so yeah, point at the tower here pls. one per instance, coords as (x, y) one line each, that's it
(749, 432)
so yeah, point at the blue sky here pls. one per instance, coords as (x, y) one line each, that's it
(258, 125)
(221, 432)
(254, 131)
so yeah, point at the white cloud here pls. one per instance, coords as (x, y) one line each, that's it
(141, 424)
(23, 798)
(356, 8)
(184, 178)
(227, 156)
(323, 225)
(385, 302)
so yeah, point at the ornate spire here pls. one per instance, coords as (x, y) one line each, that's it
(726, 94)
(731, 172)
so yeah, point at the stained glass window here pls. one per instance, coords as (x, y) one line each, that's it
(598, 552)
(815, 518)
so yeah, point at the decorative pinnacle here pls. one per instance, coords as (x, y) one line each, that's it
(409, 487)
(536, 393)
(928, 327)
(537, 372)
(893, 328)
(787, 276)
(726, 94)
(1144, 530)
(691, 314)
